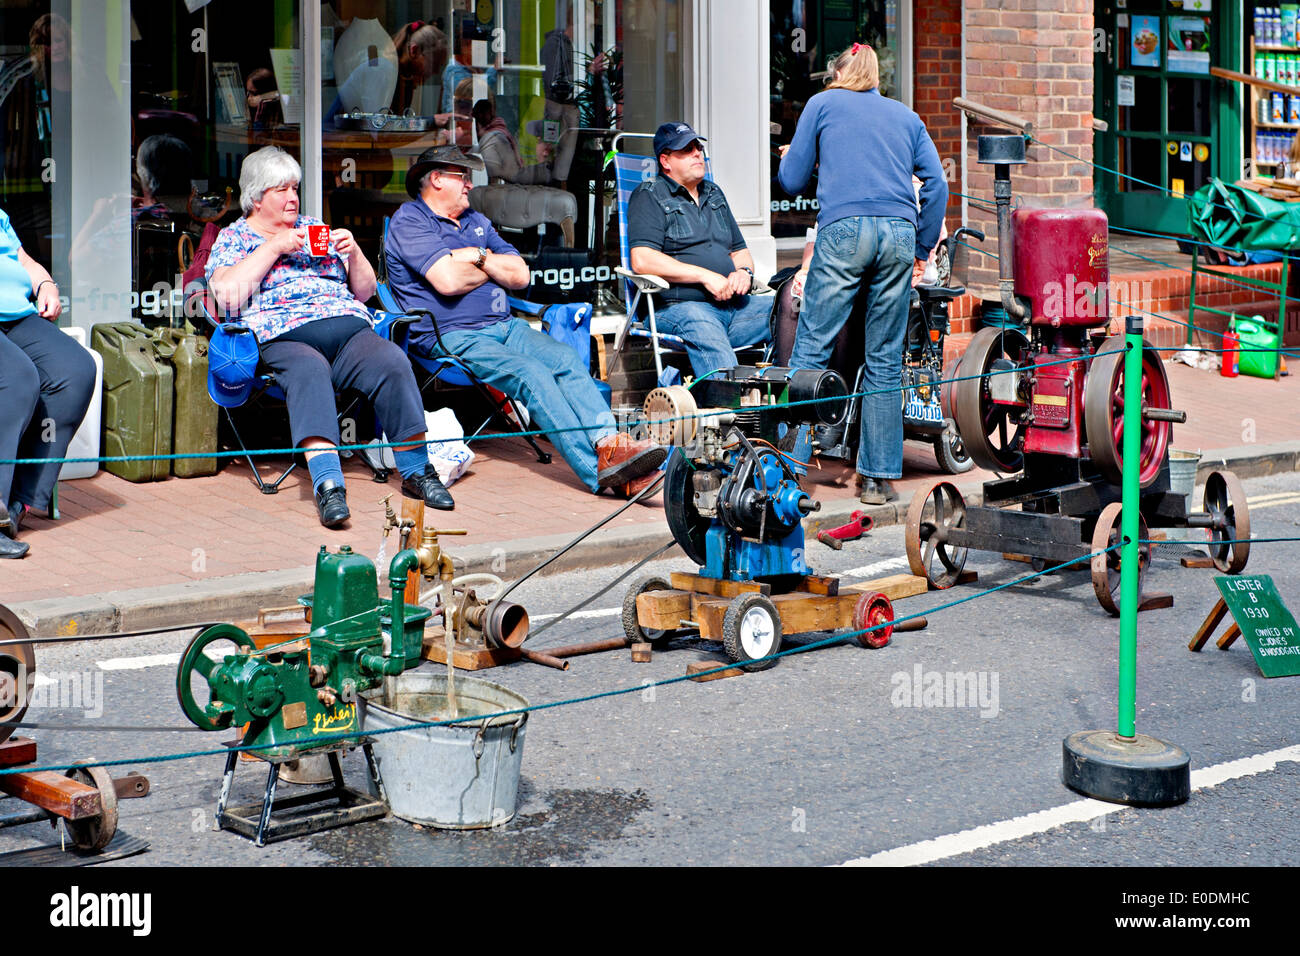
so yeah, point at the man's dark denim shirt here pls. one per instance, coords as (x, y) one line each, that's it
(661, 215)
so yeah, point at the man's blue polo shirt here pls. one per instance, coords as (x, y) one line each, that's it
(417, 238)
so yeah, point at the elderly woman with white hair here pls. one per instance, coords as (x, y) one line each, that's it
(314, 331)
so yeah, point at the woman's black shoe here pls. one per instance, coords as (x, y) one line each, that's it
(430, 488)
(332, 503)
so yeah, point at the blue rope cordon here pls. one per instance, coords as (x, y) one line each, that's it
(480, 719)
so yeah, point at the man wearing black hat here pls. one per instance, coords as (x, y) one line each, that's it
(445, 257)
(681, 229)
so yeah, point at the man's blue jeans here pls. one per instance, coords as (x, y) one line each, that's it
(714, 330)
(874, 253)
(547, 376)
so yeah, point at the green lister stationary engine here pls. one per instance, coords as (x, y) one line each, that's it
(294, 695)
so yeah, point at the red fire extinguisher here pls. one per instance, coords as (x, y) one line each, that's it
(1230, 342)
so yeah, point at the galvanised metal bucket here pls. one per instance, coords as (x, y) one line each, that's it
(1182, 481)
(461, 776)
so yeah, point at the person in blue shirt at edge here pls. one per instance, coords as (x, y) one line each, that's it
(314, 331)
(447, 258)
(46, 383)
(866, 148)
(681, 229)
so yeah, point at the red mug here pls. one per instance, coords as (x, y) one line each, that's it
(318, 240)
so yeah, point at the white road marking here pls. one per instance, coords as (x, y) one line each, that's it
(1280, 494)
(598, 612)
(869, 569)
(1257, 506)
(137, 663)
(977, 838)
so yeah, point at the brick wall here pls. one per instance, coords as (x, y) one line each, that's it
(937, 54)
(1031, 58)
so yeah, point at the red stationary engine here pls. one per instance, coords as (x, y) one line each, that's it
(1056, 281)
(1042, 402)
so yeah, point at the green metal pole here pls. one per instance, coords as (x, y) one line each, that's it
(1129, 528)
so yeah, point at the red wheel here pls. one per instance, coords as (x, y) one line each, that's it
(1103, 412)
(872, 610)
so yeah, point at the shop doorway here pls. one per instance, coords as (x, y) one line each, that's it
(1171, 126)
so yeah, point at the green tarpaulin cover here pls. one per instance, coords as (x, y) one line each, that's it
(1236, 218)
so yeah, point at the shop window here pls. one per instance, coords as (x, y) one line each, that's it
(805, 36)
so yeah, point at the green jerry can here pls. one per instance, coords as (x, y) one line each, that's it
(194, 425)
(137, 400)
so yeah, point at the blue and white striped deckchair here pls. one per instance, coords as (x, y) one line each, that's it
(630, 171)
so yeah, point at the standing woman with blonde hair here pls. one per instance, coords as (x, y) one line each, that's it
(865, 148)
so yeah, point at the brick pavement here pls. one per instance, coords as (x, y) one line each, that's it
(116, 535)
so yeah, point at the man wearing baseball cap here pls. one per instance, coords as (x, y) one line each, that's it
(445, 257)
(681, 229)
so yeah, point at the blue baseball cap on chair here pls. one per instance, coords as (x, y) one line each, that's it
(232, 365)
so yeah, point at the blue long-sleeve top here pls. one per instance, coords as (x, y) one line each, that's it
(866, 147)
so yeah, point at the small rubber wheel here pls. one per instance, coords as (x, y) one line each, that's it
(632, 626)
(95, 833)
(870, 611)
(950, 453)
(751, 631)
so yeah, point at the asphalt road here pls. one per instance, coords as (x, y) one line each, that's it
(821, 760)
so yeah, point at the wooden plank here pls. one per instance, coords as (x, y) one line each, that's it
(662, 610)
(714, 586)
(1023, 558)
(467, 657)
(819, 584)
(413, 510)
(894, 586)
(695, 669)
(1208, 625)
(708, 613)
(1197, 561)
(17, 750)
(1155, 601)
(801, 612)
(642, 653)
(968, 577)
(1230, 635)
(62, 796)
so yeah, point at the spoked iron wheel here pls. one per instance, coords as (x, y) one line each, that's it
(992, 434)
(1106, 566)
(1103, 412)
(934, 512)
(95, 833)
(17, 672)
(1225, 503)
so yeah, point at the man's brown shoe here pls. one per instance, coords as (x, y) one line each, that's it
(620, 460)
(634, 488)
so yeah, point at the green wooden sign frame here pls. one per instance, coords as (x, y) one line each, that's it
(1259, 616)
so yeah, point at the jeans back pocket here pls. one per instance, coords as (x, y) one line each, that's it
(904, 240)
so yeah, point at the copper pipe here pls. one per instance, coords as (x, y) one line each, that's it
(595, 647)
(538, 658)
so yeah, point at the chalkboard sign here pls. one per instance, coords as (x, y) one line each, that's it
(1268, 627)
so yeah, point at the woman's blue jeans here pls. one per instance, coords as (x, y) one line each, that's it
(875, 254)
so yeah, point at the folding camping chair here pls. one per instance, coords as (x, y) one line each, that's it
(570, 323)
(630, 171)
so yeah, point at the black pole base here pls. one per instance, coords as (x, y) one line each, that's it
(1141, 772)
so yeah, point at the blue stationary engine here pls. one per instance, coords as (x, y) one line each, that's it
(743, 440)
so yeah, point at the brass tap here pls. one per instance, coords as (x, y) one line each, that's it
(432, 560)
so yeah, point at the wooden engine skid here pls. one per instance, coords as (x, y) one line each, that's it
(656, 610)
